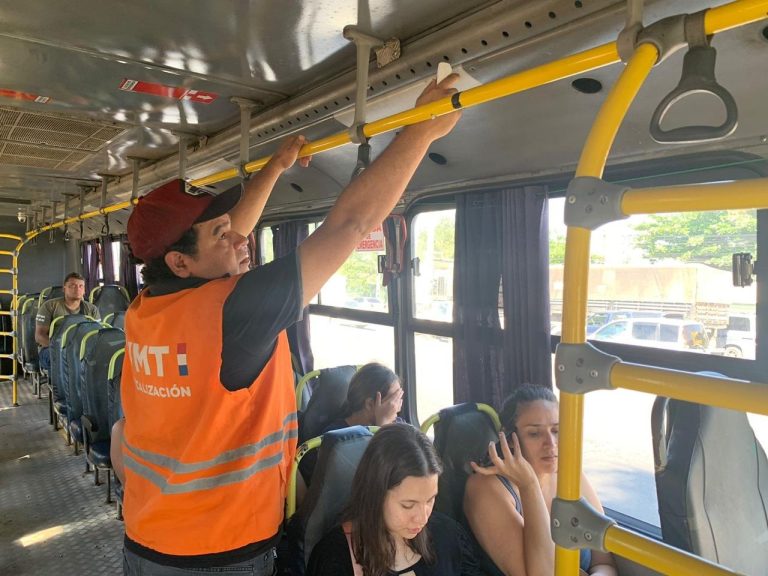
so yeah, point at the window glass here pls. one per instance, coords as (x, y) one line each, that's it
(434, 374)
(618, 459)
(668, 333)
(612, 331)
(432, 242)
(265, 245)
(115, 247)
(645, 331)
(336, 341)
(358, 283)
(675, 266)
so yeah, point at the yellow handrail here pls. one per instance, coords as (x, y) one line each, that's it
(592, 164)
(739, 195)
(658, 556)
(723, 392)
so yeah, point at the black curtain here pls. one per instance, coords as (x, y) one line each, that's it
(90, 264)
(128, 268)
(285, 239)
(501, 246)
(477, 342)
(107, 260)
(525, 283)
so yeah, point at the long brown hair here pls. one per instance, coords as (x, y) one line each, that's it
(395, 452)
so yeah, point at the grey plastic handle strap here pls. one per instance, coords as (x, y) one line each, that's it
(363, 160)
(698, 78)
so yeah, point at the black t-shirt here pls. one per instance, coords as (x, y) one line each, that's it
(454, 555)
(264, 302)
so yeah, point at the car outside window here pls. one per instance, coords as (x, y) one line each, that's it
(645, 330)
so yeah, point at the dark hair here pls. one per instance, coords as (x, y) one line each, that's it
(74, 275)
(368, 380)
(395, 452)
(157, 270)
(526, 394)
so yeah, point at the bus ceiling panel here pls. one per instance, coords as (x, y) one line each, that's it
(303, 190)
(542, 131)
(570, 32)
(120, 91)
(268, 46)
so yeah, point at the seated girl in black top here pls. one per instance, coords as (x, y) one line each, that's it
(390, 528)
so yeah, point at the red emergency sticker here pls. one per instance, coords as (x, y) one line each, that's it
(26, 96)
(174, 92)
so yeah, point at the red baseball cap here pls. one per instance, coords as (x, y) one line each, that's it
(163, 216)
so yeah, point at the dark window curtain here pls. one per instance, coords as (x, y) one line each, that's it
(477, 341)
(525, 283)
(128, 268)
(90, 264)
(501, 243)
(285, 239)
(107, 261)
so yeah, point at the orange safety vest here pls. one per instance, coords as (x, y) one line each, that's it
(206, 469)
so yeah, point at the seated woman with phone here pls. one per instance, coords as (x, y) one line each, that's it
(508, 500)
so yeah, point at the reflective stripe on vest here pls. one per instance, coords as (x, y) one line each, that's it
(176, 467)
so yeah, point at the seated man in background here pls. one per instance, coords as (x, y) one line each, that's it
(73, 302)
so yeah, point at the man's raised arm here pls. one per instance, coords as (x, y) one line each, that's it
(371, 196)
(246, 214)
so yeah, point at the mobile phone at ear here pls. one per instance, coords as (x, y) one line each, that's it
(486, 461)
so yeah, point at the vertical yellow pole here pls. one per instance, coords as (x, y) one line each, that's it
(15, 320)
(575, 280)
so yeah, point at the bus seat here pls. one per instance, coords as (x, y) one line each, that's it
(71, 369)
(49, 293)
(339, 454)
(117, 320)
(114, 410)
(96, 353)
(57, 392)
(28, 345)
(462, 434)
(109, 298)
(19, 308)
(712, 476)
(328, 393)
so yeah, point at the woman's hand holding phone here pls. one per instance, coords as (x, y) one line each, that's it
(513, 466)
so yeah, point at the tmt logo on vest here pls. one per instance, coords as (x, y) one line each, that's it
(151, 361)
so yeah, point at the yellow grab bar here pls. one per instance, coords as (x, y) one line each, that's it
(714, 391)
(739, 195)
(658, 556)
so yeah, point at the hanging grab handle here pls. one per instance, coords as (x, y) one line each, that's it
(698, 78)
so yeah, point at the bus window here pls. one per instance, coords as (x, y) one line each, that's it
(357, 284)
(337, 341)
(432, 239)
(434, 374)
(660, 282)
(265, 245)
(669, 266)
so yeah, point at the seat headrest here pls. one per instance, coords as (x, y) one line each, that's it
(461, 435)
(329, 392)
(339, 455)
